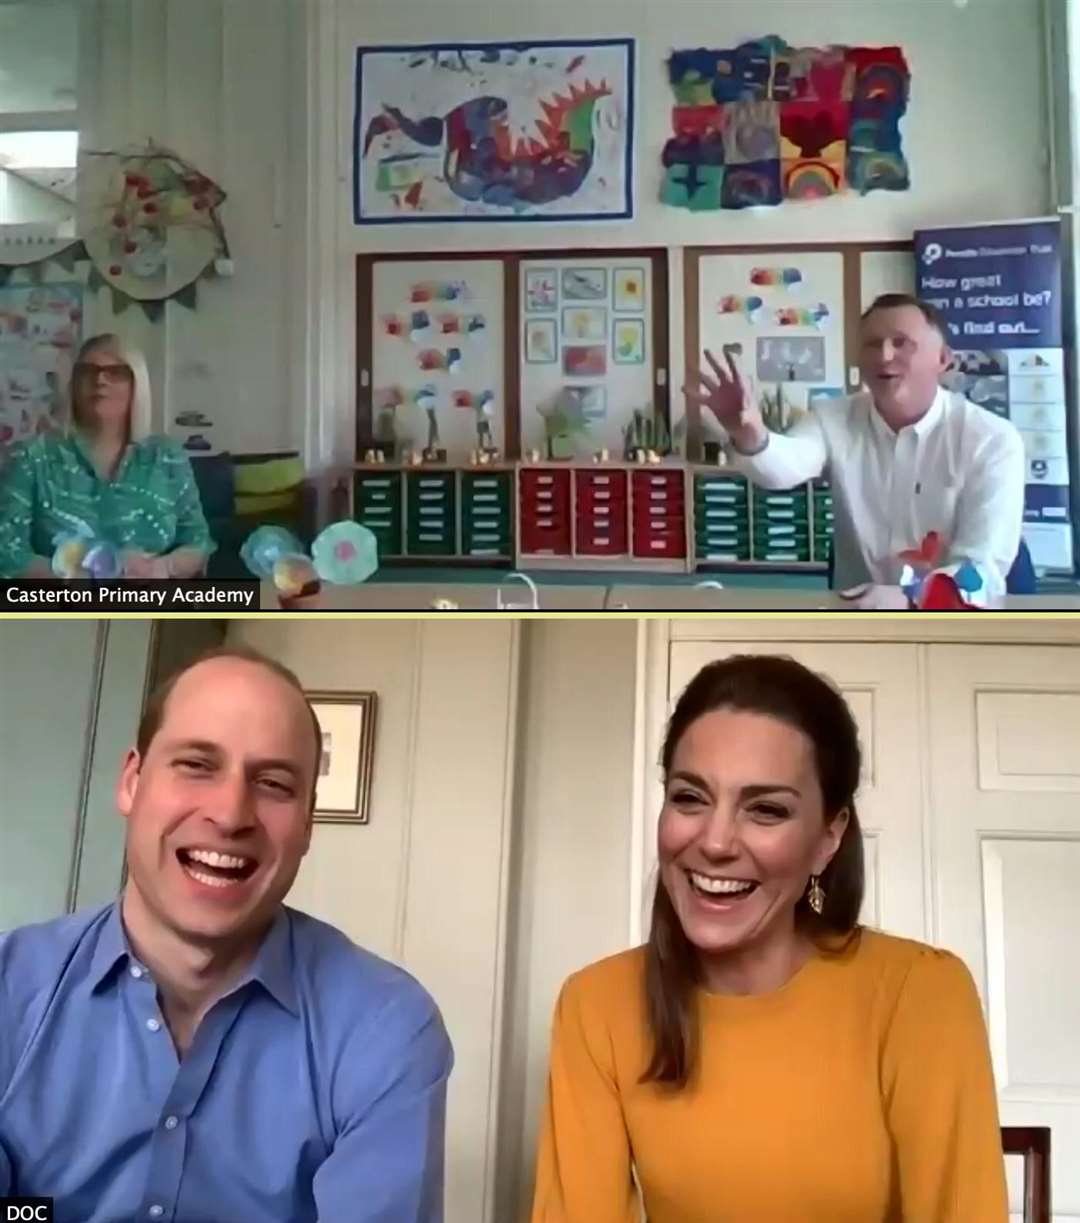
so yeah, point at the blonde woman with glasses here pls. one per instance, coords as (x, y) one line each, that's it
(105, 472)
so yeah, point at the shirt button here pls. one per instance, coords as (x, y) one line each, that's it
(135, 971)
(153, 1024)
(171, 1123)
(156, 1211)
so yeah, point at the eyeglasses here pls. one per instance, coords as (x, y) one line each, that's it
(111, 373)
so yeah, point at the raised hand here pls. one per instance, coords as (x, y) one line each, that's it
(729, 397)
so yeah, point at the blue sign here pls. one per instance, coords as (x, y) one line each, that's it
(998, 286)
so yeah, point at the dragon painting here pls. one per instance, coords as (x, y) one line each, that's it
(481, 162)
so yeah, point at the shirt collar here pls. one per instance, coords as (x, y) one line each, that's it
(272, 966)
(921, 427)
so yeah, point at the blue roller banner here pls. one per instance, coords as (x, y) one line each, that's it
(999, 288)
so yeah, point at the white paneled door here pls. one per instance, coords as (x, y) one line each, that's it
(1005, 786)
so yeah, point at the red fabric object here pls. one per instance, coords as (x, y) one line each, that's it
(698, 120)
(941, 593)
(813, 126)
(926, 554)
(871, 57)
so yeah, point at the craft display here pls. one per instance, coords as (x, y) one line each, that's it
(494, 131)
(343, 554)
(152, 228)
(766, 122)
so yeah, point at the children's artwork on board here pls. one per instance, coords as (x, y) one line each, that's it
(628, 290)
(766, 122)
(541, 290)
(791, 359)
(39, 334)
(584, 284)
(628, 341)
(752, 308)
(584, 324)
(541, 341)
(540, 131)
(585, 360)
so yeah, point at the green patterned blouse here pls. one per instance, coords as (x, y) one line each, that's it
(50, 486)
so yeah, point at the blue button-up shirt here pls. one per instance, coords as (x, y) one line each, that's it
(314, 1090)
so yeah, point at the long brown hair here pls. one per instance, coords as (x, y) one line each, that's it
(780, 688)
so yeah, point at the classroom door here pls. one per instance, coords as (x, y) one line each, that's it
(879, 683)
(1005, 785)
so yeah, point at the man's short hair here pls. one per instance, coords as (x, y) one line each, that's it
(897, 301)
(154, 710)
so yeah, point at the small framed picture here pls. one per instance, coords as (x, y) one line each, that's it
(584, 284)
(541, 341)
(584, 324)
(343, 782)
(628, 341)
(628, 289)
(541, 290)
(584, 360)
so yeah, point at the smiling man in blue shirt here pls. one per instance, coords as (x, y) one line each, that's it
(198, 1052)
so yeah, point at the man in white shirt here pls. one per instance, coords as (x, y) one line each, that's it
(904, 457)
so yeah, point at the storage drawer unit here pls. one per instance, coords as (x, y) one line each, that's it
(377, 505)
(658, 514)
(544, 511)
(781, 526)
(721, 519)
(487, 528)
(431, 513)
(600, 513)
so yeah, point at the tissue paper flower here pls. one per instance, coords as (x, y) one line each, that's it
(345, 553)
(265, 546)
(79, 554)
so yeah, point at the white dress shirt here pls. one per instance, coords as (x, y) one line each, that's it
(959, 471)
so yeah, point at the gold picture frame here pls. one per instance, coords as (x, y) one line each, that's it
(343, 782)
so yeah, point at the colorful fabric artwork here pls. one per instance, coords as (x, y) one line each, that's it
(766, 122)
(494, 131)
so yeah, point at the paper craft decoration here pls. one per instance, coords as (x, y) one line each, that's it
(584, 323)
(79, 553)
(450, 324)
(584, 284)
(537, 131)
(752, 307)
(463, 399)
(786, 278)
(628, 341)
(430, 359)
(541, 290)
(475, 326)
(628, 289)
(343, 554)
(803, 316)
(541, 341)
(419, 325)
(956, 587)
(798, 359)
(394, 325)
(425, 398)
(585, 360)
(151, 227)
(441, 291)
(765, 122)
(453, 360)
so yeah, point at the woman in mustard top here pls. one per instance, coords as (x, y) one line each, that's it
(764, 1059)
(104, 474)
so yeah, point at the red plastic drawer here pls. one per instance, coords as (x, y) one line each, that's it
(657, 481)
(544, 479)
(594, 537)
(545, 539)
(667, 545)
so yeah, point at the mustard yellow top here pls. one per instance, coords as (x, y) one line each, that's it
(860, 1092)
